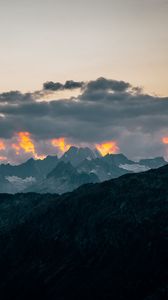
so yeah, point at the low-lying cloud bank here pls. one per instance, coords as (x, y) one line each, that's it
(105, 110)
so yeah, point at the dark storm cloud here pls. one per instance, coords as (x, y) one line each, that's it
(103, 84)
(53, 86)
(15, 97)
(57, 86)
(106, 109)
(70, 84)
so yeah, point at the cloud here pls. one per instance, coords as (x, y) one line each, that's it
(14, 97)
(103, 84)
(70, 84)
(53, 86)
(105, 110)
(57, 86)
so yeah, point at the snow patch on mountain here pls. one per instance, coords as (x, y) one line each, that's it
(20, 183)
(134, 168)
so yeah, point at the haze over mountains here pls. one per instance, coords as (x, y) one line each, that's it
(77, 166)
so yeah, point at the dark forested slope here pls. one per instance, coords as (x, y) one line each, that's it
(102, 241)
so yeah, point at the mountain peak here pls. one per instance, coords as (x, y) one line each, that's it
(77, 155)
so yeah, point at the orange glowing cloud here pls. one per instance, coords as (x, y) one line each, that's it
(61, 144)
(2, 145)
(26, 144)
(165, 140)
(108, 147)
(2, 158)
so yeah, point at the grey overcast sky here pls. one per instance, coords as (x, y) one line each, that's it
(83, 40)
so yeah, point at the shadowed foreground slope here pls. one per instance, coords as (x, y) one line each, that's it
(102, 241)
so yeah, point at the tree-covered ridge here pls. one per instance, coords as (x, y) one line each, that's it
(102, 241)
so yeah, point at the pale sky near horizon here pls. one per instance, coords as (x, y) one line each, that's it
(83, 40)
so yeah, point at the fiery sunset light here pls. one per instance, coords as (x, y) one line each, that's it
(2, 145)
(25, 143)
(3, 158)
(165, 140)
(109, 147)
(61, 144)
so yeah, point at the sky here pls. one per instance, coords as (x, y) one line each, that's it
(60, 40)
(110, 60)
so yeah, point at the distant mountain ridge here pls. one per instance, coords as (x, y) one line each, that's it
(86, 165)
(153, 163)
(63, 178)
(31, 167)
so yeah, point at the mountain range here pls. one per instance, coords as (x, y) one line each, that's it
(77, 166)
(102, 241)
